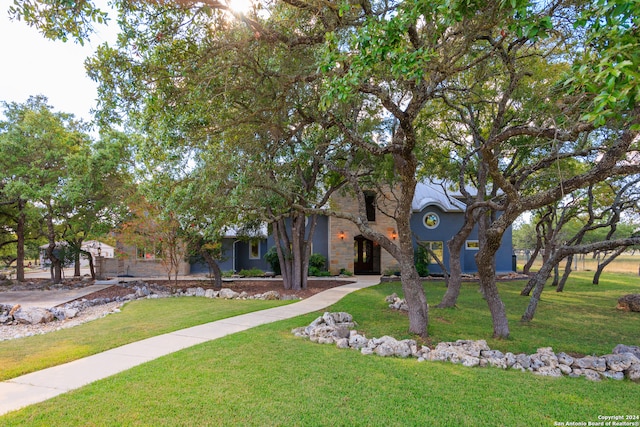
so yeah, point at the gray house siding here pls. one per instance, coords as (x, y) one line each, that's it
(449, 224)
(236, 252)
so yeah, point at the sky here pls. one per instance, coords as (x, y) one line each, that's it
(32, 65)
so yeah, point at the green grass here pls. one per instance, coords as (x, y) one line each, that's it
(138, 320)
(266, 376)
(582, 319)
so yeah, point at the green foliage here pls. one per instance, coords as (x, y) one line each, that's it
(393, 270)
(421, 260)
(608, 66)
(318, 261)
(317, 272)
(272, 258)
(345, 272)
(251, 272)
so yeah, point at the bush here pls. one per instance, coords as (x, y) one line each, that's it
(318, 261)
(421, 260)
(314, 271)
(272, 258)
(345, 272)
(393, 270)
(252, 272)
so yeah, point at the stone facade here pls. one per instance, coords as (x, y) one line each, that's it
(343, 233)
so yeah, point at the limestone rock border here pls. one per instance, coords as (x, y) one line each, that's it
(337, 328)
(11, 315)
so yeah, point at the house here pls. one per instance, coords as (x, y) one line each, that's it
(132, 261)
(95, 247)
(437, 215)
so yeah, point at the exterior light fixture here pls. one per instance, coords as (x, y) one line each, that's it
(341, 235)
(394, 234)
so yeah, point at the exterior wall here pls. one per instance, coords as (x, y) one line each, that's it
(126, 264)
(225, 264)
(450, 223)
(242, 260)
(341, 249)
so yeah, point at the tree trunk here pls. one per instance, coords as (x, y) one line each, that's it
(76, 262)
(214, 269)
(282, 249)
(454, 283)
(605, 262)
(532, 258)
(565, 275)
(485, 260)
(537, 283)
(415, 297)
(556, 275)
(90, 259)
(20, 237)
(56, 263)
(297, 249)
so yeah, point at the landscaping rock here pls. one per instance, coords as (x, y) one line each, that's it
(396, 303)
(271, 295)
(633, 373)
(621, 348)
(226, 293)
(33, 316)
(620, 362)
(565, 359)
(548, 371)
(591, 375)
(613, 375)
(590, 362)
(630, 302)
(337, 328)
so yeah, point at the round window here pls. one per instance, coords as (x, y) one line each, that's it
(431, 220)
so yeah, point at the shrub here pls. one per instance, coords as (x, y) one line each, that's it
(345, 272)
(318, 261)
(252, 272)
(272, 258)
(314, 271)
(421, 260)
(393, 270)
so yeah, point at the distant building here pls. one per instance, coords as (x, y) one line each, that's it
(95, 247)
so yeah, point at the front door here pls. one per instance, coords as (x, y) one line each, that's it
(366, 258)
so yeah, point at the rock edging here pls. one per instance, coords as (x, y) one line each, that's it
(337, 328)
(13, 315)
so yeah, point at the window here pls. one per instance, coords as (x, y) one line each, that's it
(438, 250)
(431, 220)
(370, 205)
(472, 245)
(254, 249)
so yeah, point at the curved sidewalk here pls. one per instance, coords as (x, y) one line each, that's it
(47, 383)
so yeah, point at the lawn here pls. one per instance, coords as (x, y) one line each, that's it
(138, 320)
(266, 376)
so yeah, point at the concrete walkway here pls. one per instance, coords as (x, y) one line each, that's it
(47, 299)
(47, 383)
